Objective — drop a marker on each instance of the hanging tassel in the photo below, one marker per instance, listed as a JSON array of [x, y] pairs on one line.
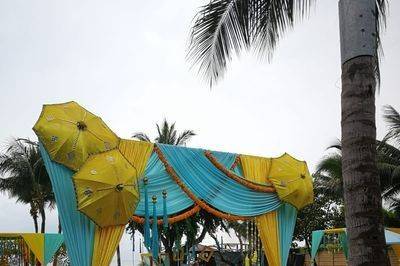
[[165, 215], [147, 241], [154, 233]]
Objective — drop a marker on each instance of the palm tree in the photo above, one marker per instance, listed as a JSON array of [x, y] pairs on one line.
[[225, 27], [330, 179], [329, 169], [391, 154], [25, 178], [167, 134], [392, 118]]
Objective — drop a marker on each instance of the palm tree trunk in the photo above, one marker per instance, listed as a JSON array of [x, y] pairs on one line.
[[363, 203], [55, 259], [361, 184], [35, 223], [118, 256], [43, 216], [168, 239], [34, 215], [59, 225]]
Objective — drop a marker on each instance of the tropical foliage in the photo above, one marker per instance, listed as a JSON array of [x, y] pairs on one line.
[[24, 177], [325, 212], [223, 28], [328, 208], [167, 134]]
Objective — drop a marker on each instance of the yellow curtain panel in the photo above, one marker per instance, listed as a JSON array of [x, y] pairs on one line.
[[35, 243], [137, 153], [267, 225], [106, 241], [257, 169], [290, 177]]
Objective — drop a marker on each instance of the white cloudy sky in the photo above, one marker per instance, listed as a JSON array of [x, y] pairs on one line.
[[125, 61]]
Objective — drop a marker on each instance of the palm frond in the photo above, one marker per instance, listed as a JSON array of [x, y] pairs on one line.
[[141, 136], [387, 153], [380, 16], [167, 134], [172, 134], [24, 174], [331, 165], [392, 118], [385, 171], [184, 137], [336, 145], [223, 28], [273, 18]]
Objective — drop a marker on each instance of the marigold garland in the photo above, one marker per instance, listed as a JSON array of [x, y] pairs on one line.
[[235, 163], [244, 182], [171, 220], [202, 204]]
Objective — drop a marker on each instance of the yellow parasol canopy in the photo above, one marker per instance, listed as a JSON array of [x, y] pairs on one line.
[[70, 133], [292, 181], [106, 188]]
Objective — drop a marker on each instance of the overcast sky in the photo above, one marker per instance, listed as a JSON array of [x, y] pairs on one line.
[[125, 61]]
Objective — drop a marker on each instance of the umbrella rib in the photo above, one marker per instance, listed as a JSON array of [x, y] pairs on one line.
[[88, 130], [85, 205], [84, 116], [76, 140], [102, 189], [68, 121]]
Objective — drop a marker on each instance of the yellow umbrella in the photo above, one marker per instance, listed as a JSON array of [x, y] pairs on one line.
[[106, 188], [292, 180], [70, 133]]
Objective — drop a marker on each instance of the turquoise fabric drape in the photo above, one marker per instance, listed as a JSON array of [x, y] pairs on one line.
[[287, 215], [147, 240], [392, 237], [213, 186], [154, 234], [159, 180], [225, 158], [165, 213], [52, 242], [343, 243], [78, 229], [316, 241]]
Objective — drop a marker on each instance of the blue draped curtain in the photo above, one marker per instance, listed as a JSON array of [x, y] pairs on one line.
[[78, 230], [159, 180], [213, 186], [287, 215]]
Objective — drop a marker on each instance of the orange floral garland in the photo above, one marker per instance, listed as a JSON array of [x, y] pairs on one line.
[[202, 204], [244, 182], [235, 163], [171, 220]]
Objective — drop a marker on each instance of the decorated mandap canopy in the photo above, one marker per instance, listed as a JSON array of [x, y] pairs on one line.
[[392, 236], [17, 248], [101, 182]]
